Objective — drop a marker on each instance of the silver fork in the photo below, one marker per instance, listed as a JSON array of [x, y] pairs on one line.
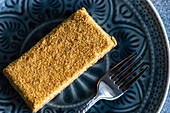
[[112, 85]]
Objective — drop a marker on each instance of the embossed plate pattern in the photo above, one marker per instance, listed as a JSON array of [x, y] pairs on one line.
[[134, 23]]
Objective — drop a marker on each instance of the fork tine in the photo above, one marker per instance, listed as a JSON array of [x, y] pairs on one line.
[[133, 80], [120, 65], [119, 81], [126, 69]]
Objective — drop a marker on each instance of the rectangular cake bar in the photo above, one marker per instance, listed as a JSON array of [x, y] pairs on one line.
[[58, 59]]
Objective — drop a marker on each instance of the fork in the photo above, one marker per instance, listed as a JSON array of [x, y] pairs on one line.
[[113, 84]]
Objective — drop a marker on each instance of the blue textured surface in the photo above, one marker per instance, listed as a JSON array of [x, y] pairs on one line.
[[163, 8], [131, 22]]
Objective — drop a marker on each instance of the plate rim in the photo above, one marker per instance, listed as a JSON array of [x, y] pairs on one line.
[[168, 52]]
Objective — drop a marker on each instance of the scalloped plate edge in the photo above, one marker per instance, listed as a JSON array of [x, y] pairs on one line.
[[167, 44]]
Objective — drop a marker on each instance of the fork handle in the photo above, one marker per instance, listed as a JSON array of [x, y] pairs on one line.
[[88, 105]]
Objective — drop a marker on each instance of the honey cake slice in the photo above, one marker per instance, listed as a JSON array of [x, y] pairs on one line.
[[58, 59]]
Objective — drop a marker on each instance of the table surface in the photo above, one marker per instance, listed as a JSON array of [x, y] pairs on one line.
[[163, 8]]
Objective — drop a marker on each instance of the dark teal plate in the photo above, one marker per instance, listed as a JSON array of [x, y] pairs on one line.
[[134, 23]]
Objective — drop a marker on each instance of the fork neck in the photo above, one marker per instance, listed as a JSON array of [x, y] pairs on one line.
[[99, 96]]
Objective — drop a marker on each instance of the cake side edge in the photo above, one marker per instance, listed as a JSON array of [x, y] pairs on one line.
[[26, 100]]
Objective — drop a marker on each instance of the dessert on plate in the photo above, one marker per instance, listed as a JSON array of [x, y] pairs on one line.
[[58, 59]]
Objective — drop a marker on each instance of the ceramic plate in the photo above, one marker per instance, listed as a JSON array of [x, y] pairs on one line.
[[134, 23]]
